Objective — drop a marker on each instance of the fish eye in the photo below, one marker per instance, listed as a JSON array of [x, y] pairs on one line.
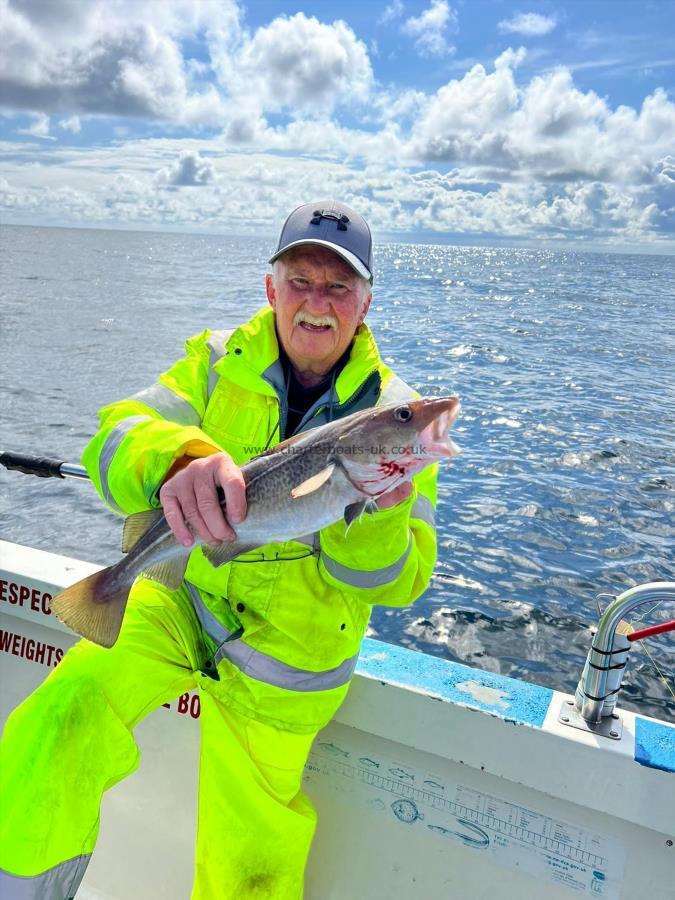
[[403, 414]]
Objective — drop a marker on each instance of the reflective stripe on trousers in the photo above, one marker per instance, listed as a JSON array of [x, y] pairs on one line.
[[59, 883], [260, 666]]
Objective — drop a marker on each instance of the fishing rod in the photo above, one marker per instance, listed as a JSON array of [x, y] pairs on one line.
[[42, 466], [48, 467]]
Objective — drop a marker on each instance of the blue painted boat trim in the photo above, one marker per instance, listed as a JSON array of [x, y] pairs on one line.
[[509, 698], [654, 744]]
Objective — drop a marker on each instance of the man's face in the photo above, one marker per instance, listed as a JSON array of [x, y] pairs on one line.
[[319, 303]]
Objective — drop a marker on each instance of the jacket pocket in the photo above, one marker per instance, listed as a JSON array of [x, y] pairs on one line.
[[238, 420]]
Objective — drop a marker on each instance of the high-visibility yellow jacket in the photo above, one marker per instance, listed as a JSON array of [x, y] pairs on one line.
[[303, 605]]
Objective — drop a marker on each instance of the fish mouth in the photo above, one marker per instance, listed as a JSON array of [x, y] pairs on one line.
[[441, 414]]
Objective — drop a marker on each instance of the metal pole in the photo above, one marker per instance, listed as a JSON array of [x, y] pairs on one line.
[[72, 470], [42, 466], [601, 679]]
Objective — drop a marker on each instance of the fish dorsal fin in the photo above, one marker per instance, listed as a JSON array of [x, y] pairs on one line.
[[169, 573], [283, 444], [136, 525], [313, 483]]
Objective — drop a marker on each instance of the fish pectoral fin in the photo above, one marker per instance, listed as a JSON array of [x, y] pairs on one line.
[[356, 510], [313, 483], [219, 554], [136, 525], [169, 573]]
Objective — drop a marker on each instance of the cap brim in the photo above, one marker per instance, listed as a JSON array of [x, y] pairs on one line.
[[348, 257]]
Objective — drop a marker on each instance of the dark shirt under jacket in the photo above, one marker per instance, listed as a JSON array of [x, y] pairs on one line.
[[300, 398]]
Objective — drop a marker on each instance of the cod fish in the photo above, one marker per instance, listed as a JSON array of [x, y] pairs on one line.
[[302, 485]]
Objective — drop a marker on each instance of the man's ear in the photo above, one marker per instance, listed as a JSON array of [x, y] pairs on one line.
[[366, 307], [269, 288]]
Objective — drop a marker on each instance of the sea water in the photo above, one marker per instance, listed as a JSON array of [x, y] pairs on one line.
[[565, 490]]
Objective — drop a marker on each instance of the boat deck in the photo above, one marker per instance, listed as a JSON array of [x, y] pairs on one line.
[[435, 780]]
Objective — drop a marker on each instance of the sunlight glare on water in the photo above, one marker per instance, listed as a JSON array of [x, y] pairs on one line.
[[563, 361]]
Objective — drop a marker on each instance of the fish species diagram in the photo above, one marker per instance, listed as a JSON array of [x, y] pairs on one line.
[[511, 835]]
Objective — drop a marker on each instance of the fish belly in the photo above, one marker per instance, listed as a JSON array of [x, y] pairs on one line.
[[291, 518]]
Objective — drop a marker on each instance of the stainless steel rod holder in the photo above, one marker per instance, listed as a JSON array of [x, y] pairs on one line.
[[599, 685]]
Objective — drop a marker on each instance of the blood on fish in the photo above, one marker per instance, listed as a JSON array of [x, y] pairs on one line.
[[389, 468]]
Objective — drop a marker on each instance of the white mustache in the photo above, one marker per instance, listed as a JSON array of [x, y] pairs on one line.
[[303, 316]]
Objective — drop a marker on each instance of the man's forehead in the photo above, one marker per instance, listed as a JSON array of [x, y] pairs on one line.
[[313, 255]]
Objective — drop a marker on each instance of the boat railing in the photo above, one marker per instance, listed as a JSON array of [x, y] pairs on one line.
[[594, 708]]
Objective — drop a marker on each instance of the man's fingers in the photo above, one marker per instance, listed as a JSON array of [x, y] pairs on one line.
[[229, 477], [181, 511], [210, 510], [191, 504], [196, 522], [174, 517]]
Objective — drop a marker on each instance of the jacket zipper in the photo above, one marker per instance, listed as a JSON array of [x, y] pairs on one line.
[[360, 393]]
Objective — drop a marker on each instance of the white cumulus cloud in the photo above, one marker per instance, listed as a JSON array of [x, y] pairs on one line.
[[189, 170], [297, 63], [466, 121], [254, 191], [38, 128], [546, 129], [429, 28], [122, 58], [298, 113], [530, 24], [72, 123], [390, 12]]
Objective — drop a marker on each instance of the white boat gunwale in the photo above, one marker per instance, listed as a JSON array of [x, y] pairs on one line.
[[500, 727]]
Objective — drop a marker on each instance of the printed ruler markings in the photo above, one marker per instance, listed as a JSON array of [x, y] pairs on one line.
[[499, 825]]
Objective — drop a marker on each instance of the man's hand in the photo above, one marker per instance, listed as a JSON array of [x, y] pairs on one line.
[[397, 495], [190, 498]]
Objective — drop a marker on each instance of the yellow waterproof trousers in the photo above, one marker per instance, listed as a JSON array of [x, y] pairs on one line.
[[72, 739]]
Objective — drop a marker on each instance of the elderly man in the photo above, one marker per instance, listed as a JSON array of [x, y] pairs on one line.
[[270, 640]]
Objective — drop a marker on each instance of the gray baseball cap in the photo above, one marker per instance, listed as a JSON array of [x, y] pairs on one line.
[[333, 225]]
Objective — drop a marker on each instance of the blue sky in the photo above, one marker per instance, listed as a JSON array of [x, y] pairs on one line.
[[472, 121]]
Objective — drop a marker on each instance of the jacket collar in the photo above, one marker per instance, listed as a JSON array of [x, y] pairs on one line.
[[253, 358]]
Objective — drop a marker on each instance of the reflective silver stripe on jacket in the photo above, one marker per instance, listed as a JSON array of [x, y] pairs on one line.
[[109, 449], [216, 343], [57, 883], [396, 391], [423, 509], [262, 667], [366, 578], [168, 404]]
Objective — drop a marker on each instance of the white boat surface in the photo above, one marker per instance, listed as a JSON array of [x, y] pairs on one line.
[[435, 780]]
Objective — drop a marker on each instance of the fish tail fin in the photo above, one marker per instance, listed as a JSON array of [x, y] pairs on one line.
[[94, 607]]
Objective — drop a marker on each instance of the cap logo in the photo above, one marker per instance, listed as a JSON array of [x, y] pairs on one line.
[[319, 214]]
